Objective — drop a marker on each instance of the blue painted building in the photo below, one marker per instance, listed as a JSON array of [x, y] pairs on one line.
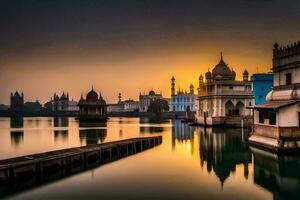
[[182, 101], [262, 84]]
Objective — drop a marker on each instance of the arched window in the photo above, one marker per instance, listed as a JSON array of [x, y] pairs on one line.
[[240, 108], [229, 108]]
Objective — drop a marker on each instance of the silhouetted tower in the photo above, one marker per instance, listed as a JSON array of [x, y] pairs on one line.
[[16, 101], [200, 82], [120, 98], [173, 86], [246, 75]]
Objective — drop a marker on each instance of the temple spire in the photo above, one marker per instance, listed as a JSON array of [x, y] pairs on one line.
[[222, 57]]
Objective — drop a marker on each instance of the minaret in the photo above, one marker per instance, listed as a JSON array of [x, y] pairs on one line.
[[172, 86], [191, 89], [120, 98], [246, 75], [22, 95]]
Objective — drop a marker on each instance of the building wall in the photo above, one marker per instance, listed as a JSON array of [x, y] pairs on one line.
[[131, 105], [145, 100], [279, 77], [261, 85], [288, 116], [72, 106], [180, 102]]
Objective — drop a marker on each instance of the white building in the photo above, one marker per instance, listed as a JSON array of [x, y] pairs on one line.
[[222, 100], [131, 105], [146, 99], [123, 106], [182, 100], [276, 123]]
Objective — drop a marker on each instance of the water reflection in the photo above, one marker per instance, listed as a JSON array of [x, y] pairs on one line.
[[147, 120], [222, 150], [16, 122], [61, 135], [149, 125], [278, 174], [92, 136], [151, 129], [182, 132], [61, 121], [16, 136], [174, 166]]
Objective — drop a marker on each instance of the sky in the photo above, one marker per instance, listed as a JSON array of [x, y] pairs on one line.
[[133, 46]]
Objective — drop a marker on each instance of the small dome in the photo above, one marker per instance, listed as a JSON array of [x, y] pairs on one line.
[[201, 77], [208, 75], [152, 93], [101, 100], [222, 72], [269, 96], [92, 96], [81, 99], [246, 72]]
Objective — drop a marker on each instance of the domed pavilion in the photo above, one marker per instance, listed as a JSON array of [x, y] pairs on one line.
[[92, 108], [222, 99]]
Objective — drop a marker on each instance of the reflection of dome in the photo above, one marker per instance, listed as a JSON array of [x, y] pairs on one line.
[[152, 93], [222, 71], [92, 96]]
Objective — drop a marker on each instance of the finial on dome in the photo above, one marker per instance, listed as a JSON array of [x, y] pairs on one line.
[[92, 88]]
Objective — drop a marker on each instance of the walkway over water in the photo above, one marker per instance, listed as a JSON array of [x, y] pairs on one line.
[[38, 165]]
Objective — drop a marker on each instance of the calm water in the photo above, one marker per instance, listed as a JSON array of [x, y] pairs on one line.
[[191, 163]]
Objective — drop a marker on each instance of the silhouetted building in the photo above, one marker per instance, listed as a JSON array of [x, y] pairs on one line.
[[222, 99], [93, 108], [277, 122], [16, 102], [146, 99], [3, 107], [123, 106], [182, 100], [62, 106]]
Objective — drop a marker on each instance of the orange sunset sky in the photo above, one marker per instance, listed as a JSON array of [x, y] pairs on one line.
[[133, 47]]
